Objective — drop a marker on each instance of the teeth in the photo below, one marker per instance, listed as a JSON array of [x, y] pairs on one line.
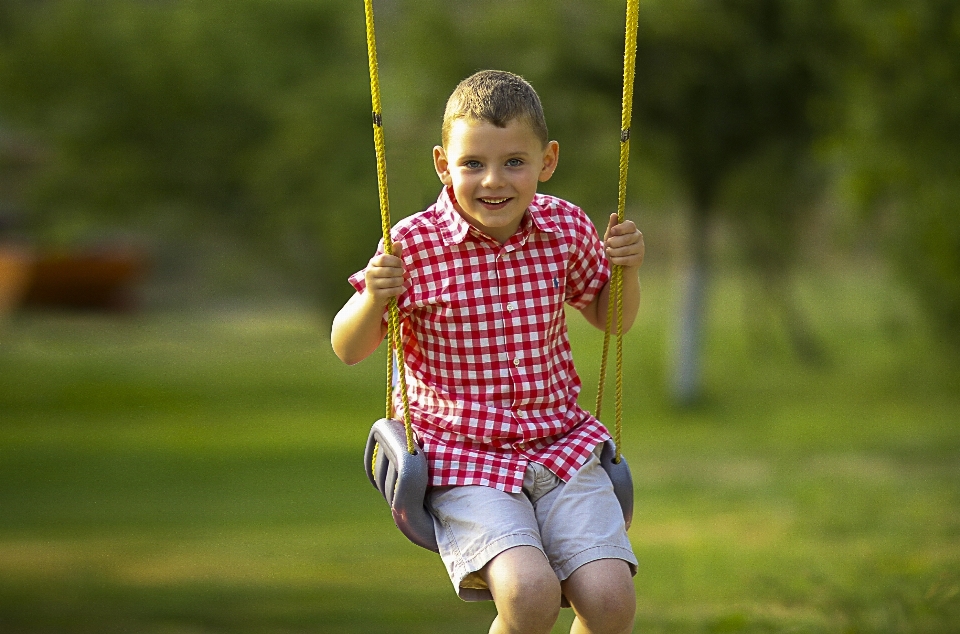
[[494, 201]]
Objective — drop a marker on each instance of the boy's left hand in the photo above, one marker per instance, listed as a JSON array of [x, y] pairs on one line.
[[623, 243]]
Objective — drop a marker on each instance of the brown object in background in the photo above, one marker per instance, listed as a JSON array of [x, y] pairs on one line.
[[15, 265], [105, 279]]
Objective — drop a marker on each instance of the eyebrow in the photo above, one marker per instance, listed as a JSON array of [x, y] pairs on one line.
[[508, 155]]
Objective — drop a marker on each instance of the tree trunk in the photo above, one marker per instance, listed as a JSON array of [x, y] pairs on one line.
[[687, 388]]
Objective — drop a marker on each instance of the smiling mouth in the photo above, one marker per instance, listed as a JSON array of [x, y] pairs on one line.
[[494, 201]]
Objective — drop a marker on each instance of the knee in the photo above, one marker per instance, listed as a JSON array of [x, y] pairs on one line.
[[607, 613], [529, 601], [604, 604]]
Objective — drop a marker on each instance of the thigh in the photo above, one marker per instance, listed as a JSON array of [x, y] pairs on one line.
[[472, 517], [581, 521], [475, 524]]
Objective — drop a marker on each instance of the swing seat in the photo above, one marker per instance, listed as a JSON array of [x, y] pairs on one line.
[[620, 477], [401, 478]]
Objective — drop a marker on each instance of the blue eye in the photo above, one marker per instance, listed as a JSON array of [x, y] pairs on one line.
[[514, 162], [473, 165]]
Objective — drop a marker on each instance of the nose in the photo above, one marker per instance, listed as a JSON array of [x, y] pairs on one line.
[[492, 178]]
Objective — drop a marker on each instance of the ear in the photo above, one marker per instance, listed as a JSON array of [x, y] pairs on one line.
[[441, 165], [551, 154]]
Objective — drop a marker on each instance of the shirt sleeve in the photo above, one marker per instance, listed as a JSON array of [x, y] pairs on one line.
[[587, 267]]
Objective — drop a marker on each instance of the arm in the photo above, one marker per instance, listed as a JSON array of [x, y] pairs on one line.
[[358, 328], [624, 246]]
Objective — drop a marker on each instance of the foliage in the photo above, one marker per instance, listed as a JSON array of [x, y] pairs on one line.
[[250, 119], [728, 91], [728, 80], [898, 149], [212, 116]]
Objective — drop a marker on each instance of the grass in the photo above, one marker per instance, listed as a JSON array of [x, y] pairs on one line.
[[194, 474]]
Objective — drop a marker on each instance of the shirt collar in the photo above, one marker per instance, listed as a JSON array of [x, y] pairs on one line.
[[454, 228]]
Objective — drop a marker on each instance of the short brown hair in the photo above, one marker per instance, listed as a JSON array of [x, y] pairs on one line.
[[498, 97]]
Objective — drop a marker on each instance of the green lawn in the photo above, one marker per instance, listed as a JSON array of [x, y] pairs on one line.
[[201, 474]]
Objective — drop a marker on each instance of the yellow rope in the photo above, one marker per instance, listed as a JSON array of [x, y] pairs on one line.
[[616, 273], [393, 327]]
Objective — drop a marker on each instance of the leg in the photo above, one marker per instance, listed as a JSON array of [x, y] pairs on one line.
[[525, 590], [582, 528], [603, 598]]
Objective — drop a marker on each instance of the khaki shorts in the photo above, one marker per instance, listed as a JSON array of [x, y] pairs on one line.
[[572, 523]]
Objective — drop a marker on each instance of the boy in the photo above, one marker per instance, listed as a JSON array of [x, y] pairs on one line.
[[524, 513]]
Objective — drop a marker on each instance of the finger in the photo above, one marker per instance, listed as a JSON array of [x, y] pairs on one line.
[[625, 256], [397, 255], [611, 223], [396, 248], [385, 273], [621, 252], [630, 242], [386, 285], [624, 228], [384, 261], [381, 278], [630, 255]]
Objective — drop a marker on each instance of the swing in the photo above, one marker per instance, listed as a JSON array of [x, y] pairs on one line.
[[394, 463]]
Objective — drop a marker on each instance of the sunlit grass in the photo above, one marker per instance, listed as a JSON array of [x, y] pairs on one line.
[[170, 473]]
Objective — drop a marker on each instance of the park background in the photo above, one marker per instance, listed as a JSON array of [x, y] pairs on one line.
[[180, 452]]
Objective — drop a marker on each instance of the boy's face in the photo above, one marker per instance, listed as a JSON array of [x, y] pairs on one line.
[[494, 172]]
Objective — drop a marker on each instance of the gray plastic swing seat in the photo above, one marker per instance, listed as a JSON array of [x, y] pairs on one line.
[[620, 476], [401, 478]]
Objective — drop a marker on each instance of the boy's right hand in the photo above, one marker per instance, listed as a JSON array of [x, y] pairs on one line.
[[384, 275]]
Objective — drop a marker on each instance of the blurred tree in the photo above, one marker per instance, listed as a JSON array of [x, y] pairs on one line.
[[571, 52], [250, 118], [242, 118], [730, 85], [725, 87], [899, 149]]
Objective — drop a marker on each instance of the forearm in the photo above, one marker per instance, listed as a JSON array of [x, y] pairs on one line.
[[596, 312], [358, 328]]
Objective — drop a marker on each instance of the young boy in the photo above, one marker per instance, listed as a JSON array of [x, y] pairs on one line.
[[524, 513]]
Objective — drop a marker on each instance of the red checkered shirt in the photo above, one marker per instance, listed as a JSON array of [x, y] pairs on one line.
[[489, 370]]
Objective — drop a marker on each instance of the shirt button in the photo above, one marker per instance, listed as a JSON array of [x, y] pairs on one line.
[[511, 306], [516, 361]]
